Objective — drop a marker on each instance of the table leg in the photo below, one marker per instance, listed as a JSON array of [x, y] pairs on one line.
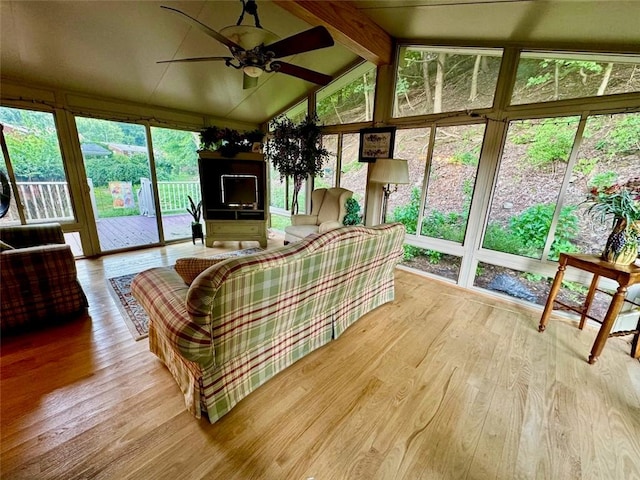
[[635, 343], [588, 300], [555, 287], [609, 319]]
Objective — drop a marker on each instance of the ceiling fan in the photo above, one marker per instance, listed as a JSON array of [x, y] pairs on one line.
[[255, 50]]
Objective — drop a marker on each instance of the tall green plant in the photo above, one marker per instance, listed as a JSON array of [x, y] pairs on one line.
[[296, 151]]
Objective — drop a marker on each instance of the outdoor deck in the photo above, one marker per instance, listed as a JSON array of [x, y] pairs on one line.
[[125, 232]]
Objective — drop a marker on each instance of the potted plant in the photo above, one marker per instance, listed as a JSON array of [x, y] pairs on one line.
[[622, 203], [352, 217], [196, 213], [228, 141], [296, 151]]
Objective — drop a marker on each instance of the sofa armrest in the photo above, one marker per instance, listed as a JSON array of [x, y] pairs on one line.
[[304, 219], [55, 263], [326, 226], [23, 236]]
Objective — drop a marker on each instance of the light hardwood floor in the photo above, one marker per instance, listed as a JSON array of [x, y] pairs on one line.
[[439, 384]]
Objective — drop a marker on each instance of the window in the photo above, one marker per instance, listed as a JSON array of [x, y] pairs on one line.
[[36, 160], [452, 174], [348, 99], [549, 76], [328, 178], [531, 172], [434, 80], [176, 160], [117, 164]]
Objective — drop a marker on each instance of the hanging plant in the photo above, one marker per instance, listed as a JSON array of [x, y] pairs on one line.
[[296, 151], [227, 141]]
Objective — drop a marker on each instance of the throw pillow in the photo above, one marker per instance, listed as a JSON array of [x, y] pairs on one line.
[[189, 268], [5, 246]]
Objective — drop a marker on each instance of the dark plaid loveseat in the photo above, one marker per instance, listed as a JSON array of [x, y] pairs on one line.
[[38, 281], [245, 319]]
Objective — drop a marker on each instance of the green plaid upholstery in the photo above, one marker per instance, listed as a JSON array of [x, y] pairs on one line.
[[247, 318], [38, 284]]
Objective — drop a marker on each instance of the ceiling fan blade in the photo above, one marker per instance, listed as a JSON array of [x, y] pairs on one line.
[[249, 82], [209, 31], [301, 72], [196, 59], [313, 39]]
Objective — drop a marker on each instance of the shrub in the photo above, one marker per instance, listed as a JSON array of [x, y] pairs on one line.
[[408, 214], [552, 142], [532, 226]]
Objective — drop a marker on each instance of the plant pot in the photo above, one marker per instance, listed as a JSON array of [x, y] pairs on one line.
[[196, 232], [622, 244]]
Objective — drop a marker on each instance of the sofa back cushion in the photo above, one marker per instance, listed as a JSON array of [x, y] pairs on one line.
[[249, 299]]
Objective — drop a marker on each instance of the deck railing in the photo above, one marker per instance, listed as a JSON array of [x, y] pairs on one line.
[[51, 201]]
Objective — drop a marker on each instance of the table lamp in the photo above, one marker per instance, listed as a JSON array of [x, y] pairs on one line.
[[389, 171]]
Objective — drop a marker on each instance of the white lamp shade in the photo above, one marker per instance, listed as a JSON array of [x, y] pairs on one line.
[[390, 170]]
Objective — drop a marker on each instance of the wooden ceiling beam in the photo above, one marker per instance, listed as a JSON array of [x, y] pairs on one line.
[[347, 26]]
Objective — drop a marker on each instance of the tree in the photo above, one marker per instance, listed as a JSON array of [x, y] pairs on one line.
[[296, 151]]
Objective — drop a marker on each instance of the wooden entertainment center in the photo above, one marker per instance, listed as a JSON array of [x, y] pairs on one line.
[[234, 197]]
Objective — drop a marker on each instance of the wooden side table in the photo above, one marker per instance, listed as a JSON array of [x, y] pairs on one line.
[[624, 275]]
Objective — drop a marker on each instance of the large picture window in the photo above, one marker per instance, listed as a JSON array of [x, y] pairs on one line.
[[434, 80], [532, 168], [36, 161], [348, 99], [549, 76]]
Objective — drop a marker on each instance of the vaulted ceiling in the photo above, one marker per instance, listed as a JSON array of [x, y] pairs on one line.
[[110, 48]]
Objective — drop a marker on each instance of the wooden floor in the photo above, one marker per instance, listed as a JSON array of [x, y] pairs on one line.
[[439, 384]]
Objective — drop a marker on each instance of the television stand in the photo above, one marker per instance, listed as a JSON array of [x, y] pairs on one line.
[[234, 197]]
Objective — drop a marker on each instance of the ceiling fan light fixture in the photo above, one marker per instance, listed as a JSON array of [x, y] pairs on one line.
[[252, 71], [249, 37]]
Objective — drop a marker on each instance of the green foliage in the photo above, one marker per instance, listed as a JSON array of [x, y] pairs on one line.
[[194, 210], [552, 142], [625, 137], [296, 151], [449, 226], [501, 239], [465, 158], [352, 217], [117, 168], [408, 214], [228, 141], [586, 165], [603, 180], [532, 226], [279, 222]]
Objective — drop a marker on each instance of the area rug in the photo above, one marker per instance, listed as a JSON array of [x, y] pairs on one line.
[[132, 313]]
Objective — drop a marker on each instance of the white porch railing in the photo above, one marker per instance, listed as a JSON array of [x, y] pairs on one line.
[[43, 201], [51, 201], [173, 196]]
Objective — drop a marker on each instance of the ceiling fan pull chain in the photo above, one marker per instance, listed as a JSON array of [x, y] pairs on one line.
[[251, 7]]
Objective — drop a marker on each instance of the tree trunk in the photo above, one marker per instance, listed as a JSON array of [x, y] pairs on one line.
[[297, 184], [365, 89], [425, 77], [437, 101], [556, 82], [605, 79], [474, 79]]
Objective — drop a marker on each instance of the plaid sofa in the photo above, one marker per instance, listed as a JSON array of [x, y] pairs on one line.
[[247, 318], [38, 281]]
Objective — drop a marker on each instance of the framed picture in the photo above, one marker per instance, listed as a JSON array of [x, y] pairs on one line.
[[376, 143], [256, 147]]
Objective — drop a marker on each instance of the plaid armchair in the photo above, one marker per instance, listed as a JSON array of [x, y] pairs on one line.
[[38, 281]]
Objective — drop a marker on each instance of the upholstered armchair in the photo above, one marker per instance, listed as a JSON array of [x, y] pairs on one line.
[[328, 208], [38, 278]]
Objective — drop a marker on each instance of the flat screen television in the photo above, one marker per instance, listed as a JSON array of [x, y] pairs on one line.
[[239, 191]]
